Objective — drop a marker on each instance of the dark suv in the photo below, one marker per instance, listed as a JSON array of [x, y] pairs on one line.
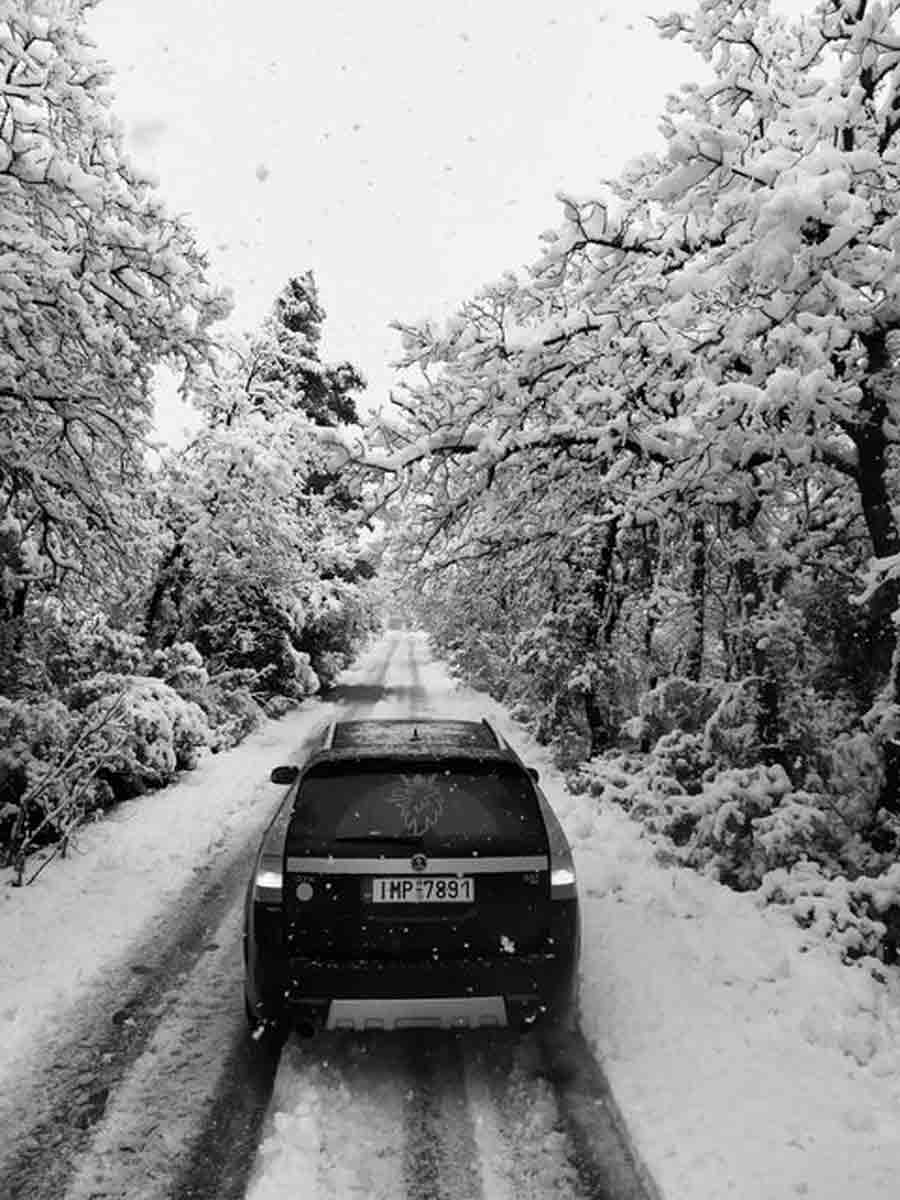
[[414, 875]]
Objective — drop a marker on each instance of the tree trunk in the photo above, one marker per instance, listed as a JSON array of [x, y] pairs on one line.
[[755, 658], [13, 602], [166, 581], [598, 722], [693, 666], [871, 440], [598, 634], [872, 445]]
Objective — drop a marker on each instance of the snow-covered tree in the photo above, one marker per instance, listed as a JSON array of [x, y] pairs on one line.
[[693, 392], [281, 370], [262, 570], [98, 283]]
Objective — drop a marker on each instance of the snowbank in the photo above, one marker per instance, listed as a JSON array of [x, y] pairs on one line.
[[85, 911]]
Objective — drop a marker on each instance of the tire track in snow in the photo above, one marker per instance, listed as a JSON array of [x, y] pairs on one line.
[[50, 1114], [523, 1151], [356, 693], [98, 1049], [418, 697], [441, 1155], [335, 1126], [421, 1115], [220, 1163], [147, 1130], [53, 1114], [607, 1162]]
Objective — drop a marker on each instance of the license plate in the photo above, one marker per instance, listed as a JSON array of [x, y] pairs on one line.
[[430, 889]]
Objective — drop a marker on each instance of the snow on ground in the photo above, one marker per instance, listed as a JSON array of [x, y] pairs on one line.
[[746, 1065], [83, 912]]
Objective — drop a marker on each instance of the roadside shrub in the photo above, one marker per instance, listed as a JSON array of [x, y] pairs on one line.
[[226, 700], [730, 736], [682, 759], [861, 916], [30, 738], [50, 759], [328, 665], [181, 666], [287, 671], [735, 824], [854, 771], [127, 717], [332, 635], [729, 808], [676, 704], [615, 777], [799, 828], [157, 731], [77, 649], [277, 706], [231, 711]]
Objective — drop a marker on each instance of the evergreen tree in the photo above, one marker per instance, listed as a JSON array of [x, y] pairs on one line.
[[261, 571]]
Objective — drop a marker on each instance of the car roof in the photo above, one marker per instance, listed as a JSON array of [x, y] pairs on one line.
[[413, 732], [407, 739]]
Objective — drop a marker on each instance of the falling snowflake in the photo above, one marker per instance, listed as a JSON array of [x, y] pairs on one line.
[[262, 172]]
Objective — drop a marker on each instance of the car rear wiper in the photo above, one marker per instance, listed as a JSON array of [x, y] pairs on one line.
[[392, 839]]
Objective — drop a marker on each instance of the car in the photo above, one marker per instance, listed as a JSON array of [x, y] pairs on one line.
[[413, 876]]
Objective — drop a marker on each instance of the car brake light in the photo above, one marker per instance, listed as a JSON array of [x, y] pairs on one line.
[[267, 886], [562, 882]]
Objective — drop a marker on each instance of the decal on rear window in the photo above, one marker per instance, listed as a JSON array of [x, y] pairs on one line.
[[451, 805], [420, 799]]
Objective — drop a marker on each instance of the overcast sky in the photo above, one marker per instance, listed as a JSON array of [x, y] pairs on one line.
[[408, 151]]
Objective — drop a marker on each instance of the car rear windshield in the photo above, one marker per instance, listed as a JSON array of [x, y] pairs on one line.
[[464, 808], [390, 734]]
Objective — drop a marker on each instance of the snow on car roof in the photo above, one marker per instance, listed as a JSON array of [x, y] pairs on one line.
[[413, 734]]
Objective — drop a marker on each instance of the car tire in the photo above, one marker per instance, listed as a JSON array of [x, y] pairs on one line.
[[269, 1034], [565, 1020]]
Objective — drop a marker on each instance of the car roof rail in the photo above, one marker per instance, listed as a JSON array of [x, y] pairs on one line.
[[328, 740], [493, 732]]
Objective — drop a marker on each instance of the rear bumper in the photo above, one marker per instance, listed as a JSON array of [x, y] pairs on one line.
[[512, 990], [281, 986], [431, 1012], [423, 977]]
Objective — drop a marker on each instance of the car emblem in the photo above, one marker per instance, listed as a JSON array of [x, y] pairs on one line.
[[418, 862]]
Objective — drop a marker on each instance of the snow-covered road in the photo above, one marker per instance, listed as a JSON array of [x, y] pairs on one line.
[[416, 1116], [748, 1061], [125, 1069]]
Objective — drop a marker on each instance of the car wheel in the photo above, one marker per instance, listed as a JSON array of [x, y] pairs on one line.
[[564, 1017], [268, 1033]]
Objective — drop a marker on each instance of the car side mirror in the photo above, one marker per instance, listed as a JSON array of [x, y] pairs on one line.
[[284, 775], [534, 773]]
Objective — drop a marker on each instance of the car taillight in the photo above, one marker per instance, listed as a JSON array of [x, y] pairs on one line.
[[562, 878], [562, 882], [268, 883]]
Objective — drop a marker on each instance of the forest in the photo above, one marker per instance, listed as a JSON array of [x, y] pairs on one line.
[[154, 604], [644, 491]]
